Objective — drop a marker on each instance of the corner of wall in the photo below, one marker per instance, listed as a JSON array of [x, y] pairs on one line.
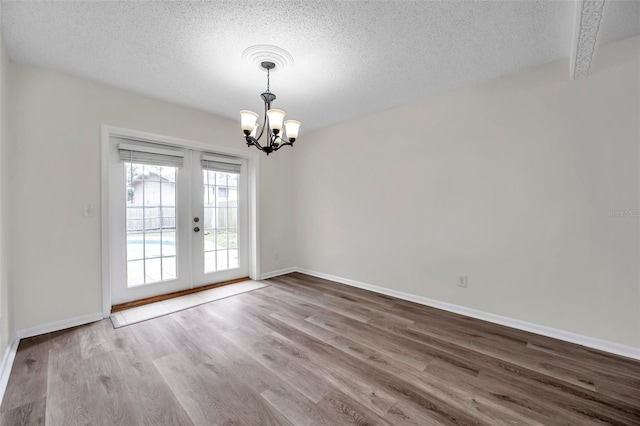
[[6, 315]]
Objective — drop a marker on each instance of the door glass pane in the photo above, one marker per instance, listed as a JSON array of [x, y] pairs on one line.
[[151, 223], [233, 258], [220, 220], [221, 259], [169, 243], [232, 234], [210, 261], [135, 272], [169, 267]]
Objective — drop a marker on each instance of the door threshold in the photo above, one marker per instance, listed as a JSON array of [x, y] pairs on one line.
[[160, 298]]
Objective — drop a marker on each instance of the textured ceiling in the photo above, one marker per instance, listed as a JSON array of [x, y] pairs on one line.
[[351, 58]]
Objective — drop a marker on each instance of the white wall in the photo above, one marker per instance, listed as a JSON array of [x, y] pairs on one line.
[[55, 167], [507, 182], [6, 326]]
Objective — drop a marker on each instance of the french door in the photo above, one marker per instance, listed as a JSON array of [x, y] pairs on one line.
[[178, 219]]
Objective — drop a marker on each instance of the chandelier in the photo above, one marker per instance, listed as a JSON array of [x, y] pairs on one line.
[[272, 125]]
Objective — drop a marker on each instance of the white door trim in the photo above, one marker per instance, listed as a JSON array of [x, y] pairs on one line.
[[253, 169]]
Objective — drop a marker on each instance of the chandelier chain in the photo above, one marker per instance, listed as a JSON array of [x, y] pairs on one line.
[[268, 79]]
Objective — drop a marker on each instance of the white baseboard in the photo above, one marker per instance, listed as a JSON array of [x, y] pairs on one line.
[[58, 325], [278, 272], [7, 365], [591, 342]]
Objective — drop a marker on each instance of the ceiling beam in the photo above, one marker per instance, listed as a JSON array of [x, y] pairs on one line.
[[588, 21]]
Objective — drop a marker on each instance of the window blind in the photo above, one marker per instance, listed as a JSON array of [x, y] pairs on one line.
[[209, 163], [150, 155]]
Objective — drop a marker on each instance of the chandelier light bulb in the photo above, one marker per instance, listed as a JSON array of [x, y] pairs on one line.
[[248, 120], [276, 116], [292, 127]]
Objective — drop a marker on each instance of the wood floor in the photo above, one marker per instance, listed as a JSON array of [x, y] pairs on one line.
[[309, 351]]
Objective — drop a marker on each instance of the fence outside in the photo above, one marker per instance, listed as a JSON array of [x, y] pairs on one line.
[[146, 218], [150, 218]]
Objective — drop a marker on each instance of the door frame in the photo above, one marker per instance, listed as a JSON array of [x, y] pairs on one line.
[[253, 169]]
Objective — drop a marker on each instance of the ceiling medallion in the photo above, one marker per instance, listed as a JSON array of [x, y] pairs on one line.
[[256, 55]]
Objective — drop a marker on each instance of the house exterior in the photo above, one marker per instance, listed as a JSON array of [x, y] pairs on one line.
[[151, 189], [151, 201]]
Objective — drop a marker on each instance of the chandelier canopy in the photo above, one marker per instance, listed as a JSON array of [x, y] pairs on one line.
[[272, 124]]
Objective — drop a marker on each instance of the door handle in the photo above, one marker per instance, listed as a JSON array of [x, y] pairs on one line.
[[196, 219], [196, 229]]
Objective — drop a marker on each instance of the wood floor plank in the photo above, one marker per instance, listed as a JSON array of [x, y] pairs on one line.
[[350, 294], [345, 376], [32, 413], [108, 397], [66, 387], [598, 360], [155, 403], [234, 365], [305, 350], [608, 406], [203, 315], [202, 401], [150, 337], [250, 407], [410, 415], [513, 352], [387, 344], [92, 341], [300, 373], [346, 411], [296, 408], [522, 403], [167, 327], [357, 312], [273, 300], [362, 389], [612, 409], [211, 399], [28, 380], [420, 388]]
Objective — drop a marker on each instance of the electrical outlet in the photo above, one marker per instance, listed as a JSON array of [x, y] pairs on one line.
[[462, 281]]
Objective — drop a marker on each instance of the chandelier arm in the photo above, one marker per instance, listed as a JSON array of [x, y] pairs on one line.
[[263, 127], [251, 141], [277, 147], [267, 125], [272, 141], [264, 122], [285, 141]]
